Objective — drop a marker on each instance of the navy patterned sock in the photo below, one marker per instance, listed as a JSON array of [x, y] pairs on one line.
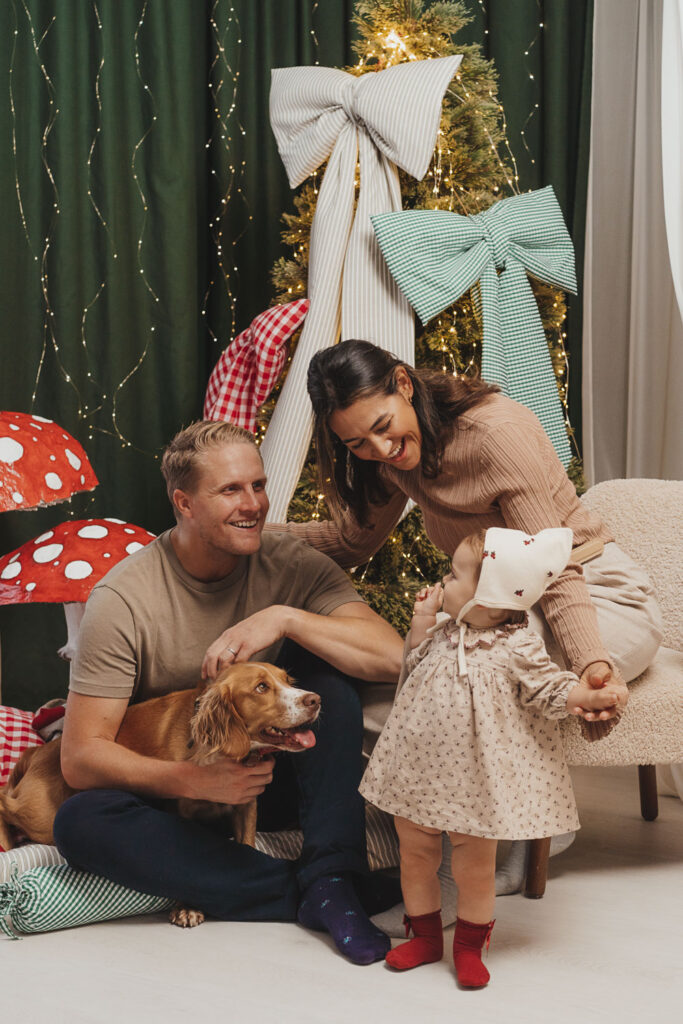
[[330, 904]]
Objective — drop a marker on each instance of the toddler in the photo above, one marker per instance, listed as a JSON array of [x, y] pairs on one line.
[[471, 746]]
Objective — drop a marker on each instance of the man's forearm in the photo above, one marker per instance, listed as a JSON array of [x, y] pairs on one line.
[[103, 764], [364, 648]]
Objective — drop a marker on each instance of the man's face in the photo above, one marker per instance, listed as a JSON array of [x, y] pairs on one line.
[[228, 507]]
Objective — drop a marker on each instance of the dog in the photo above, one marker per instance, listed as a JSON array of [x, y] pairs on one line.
[[249, 710]]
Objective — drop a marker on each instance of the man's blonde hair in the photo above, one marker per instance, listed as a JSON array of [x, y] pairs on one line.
[[180, 463]]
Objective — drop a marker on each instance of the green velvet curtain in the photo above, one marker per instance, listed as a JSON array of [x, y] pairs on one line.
[[124, 124], [543, 50]]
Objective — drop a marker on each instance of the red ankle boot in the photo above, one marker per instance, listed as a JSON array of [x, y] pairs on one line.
[[425, 948], [467, 944]]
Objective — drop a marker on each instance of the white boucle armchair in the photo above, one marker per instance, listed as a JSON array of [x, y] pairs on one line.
[[646, 520]]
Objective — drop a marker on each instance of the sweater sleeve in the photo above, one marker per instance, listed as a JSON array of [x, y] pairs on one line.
[[542, 684], [512, 467], [348, 543]]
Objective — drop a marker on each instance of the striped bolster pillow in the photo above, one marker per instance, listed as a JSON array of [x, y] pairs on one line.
[[47, 898], [381, 838]]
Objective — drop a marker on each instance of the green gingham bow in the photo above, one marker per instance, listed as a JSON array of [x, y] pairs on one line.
[[436, 256]]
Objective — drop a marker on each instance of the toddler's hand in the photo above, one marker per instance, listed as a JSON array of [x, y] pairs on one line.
[[428, 600], [594, 705]]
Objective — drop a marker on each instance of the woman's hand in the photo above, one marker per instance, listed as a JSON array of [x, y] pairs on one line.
[[598, 676]]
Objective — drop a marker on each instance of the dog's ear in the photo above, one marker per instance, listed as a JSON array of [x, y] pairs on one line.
[[217, 727]]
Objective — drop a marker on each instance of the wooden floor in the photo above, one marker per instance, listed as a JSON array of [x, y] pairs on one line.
[[604, 944]]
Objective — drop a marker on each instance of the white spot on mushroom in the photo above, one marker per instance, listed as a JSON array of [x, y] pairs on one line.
[[41, 419], [53, 458], [74, 460], [13, 426], [14, 557], [10, 571], [18, 498], [47, 553], [108, 519], [127, 529], [44, 536], [10, 450], [35, 425], [82, 479], [107, 554], [77, 570], [53, 481], [30, 587], [93, 531], [133, 546]]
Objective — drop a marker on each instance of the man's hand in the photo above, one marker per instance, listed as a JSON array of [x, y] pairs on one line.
[[596, 677], [244, 639], [226, 782]]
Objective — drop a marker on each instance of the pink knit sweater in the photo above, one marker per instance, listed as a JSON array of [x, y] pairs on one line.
[[499, 469]]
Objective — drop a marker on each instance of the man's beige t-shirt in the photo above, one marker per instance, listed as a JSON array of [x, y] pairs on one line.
[[148, 623]]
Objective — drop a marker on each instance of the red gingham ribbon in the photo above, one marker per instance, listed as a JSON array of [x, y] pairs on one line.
[[16, 734], [247, 371]]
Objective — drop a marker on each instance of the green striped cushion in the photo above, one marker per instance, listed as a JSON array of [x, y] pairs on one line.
[[45, 899], [23, 858]]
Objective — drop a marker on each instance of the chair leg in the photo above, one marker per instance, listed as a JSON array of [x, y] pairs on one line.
[[537, 868], [647, 779]]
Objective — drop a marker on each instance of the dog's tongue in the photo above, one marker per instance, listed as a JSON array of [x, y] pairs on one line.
[[305, 738]]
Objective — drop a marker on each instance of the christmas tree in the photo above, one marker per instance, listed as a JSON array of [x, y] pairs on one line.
[[472, 167]]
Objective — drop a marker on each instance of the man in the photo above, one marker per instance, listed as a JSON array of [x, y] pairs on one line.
[[152, 625]]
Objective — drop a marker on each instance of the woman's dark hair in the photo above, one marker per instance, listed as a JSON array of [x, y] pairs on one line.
[[340, 375]]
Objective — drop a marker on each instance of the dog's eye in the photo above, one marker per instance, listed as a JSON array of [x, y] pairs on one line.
[[262, 688]]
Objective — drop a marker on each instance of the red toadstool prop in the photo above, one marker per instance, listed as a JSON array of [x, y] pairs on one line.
[[40, 464], [65, 563]]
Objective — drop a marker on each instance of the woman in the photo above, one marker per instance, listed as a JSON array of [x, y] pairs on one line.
[[471, 459]]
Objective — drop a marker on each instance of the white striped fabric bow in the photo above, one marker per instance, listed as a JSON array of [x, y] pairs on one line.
[[391, 118]]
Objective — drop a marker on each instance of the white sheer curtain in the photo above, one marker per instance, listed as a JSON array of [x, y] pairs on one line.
[[633, 325]]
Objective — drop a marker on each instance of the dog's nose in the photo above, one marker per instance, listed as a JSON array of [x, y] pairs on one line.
[[311, 700]]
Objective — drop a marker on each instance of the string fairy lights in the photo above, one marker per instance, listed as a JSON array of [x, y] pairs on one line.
[[49, 327], [13, 111], [224, 134], [98, 129]]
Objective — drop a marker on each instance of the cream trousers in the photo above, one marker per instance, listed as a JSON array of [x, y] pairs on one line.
[[629, 619]]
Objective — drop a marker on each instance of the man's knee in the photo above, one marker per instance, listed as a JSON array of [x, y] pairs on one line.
[[76, 825]]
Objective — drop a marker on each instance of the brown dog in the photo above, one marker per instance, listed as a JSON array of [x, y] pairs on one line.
[[249, 709]]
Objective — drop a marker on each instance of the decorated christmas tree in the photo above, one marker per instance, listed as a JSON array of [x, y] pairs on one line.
[[471, 169]]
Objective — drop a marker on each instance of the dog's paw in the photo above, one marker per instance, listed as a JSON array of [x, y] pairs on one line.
[[185, 918]]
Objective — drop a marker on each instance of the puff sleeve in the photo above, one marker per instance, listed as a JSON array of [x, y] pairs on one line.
[[542, 684]]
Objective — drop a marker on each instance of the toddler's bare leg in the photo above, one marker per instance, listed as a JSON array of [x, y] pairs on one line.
[[420, 859], [474, 871]]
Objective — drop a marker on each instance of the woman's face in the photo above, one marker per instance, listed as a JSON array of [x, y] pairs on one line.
[[382, 428]]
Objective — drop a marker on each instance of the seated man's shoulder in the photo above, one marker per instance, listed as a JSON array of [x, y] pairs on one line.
[[136, 567], [283, 549]]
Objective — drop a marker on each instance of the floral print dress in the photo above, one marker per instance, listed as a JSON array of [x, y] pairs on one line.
[[479, 754]]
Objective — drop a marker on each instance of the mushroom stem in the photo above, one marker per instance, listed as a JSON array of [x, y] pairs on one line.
[[73, 612]]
